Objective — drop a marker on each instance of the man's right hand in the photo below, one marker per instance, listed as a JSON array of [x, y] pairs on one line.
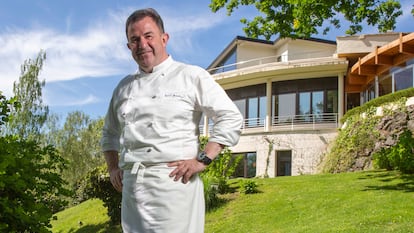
[[116, 176], [115, 173]]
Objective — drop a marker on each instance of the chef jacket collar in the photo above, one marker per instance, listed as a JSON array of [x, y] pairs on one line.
[[156, 69]]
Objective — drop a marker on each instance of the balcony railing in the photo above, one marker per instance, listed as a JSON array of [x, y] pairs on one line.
[[293, 122], [282, 60], [307, 121]]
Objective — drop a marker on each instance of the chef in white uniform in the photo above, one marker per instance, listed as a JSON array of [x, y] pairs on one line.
[[151, 133]]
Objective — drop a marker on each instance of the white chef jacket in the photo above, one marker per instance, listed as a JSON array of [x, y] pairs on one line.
[[154, 117]]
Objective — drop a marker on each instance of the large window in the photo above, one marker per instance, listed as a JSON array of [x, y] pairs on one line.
[[308, 98], [305, 100], [403, 78]]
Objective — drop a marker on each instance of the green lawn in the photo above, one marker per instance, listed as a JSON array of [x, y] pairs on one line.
[[375, 201]]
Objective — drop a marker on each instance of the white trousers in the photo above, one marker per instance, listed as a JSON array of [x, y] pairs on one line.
[[152, 202]]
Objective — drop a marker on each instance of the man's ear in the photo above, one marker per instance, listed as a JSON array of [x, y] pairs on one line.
[[165, 38]]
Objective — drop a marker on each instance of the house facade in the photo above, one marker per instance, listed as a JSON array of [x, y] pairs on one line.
[[293, 92]]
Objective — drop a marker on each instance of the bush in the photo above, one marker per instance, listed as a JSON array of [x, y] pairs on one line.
[[99, 186], [31, 187], [210, 193], [399, 157], [248, 186]]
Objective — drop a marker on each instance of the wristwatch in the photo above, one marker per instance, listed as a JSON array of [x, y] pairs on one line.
[[202, 157]]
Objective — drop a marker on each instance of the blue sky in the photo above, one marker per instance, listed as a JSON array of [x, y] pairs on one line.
[[86, 48]]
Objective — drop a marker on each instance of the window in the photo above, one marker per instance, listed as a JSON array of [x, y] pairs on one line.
[[332, 101], [317, 104], [353, 100], [241, 105], [403, 79], [256, 111], [247, 166], [385, 85], [228, 63], [251, 101], [304, 103], [369, 94], [286, 107]]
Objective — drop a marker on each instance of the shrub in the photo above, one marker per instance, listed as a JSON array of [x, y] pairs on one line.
[[248, 186], [399, 157], [356, 138], [210, 193], [99, 186], [31, 187]]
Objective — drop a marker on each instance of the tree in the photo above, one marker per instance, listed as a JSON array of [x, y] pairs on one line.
[[78, 143], [303, 18], [30, 184], [27, 122]]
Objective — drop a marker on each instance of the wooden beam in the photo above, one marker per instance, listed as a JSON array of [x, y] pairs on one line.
[[399, 59], [384, 60], [383, 68], [407, 48], [353, 88], [355, 79], [367, 70]]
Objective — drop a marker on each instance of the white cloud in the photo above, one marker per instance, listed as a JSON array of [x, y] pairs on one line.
[[98, 50], [90, 99]]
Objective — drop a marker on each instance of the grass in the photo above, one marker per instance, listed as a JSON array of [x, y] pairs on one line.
[[87, 217], [375, 201]]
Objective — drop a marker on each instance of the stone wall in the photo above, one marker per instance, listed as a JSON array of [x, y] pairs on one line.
[[390, 128]]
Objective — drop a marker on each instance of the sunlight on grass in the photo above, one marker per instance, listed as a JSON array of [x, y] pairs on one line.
[[89, 216], [351, 202]]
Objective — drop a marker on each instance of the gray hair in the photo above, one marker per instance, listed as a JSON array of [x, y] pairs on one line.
[[142, 13]]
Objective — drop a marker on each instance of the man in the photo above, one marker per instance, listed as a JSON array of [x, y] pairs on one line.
[[150, 136]]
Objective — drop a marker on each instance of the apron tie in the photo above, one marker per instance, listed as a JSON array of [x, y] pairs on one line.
[[139, 169]]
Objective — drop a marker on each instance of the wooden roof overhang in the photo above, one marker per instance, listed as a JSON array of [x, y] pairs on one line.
[[378, 62]]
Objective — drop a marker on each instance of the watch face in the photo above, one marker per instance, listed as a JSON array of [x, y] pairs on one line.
[[201, 155]]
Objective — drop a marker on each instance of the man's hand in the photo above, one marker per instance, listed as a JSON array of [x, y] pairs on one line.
[[115, 173], [116, 176], [185, 169]]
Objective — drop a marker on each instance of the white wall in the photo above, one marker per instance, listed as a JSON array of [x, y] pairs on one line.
[[307, 148]]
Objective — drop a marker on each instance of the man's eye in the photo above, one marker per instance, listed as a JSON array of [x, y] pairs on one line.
[[133, 40]]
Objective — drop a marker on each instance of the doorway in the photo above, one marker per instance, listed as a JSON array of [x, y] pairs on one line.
[[284, 163]]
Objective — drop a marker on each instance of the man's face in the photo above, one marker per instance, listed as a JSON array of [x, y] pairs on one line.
[[147, 43]]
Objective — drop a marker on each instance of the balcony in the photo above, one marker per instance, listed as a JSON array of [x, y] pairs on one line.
[[288, 123]]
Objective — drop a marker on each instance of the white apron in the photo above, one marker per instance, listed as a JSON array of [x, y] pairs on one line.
[[152, 202]]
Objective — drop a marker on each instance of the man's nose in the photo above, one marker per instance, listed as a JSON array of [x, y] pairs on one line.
[[142, 43]]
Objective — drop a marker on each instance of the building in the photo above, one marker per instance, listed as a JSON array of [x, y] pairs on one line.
[[292, 93]]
